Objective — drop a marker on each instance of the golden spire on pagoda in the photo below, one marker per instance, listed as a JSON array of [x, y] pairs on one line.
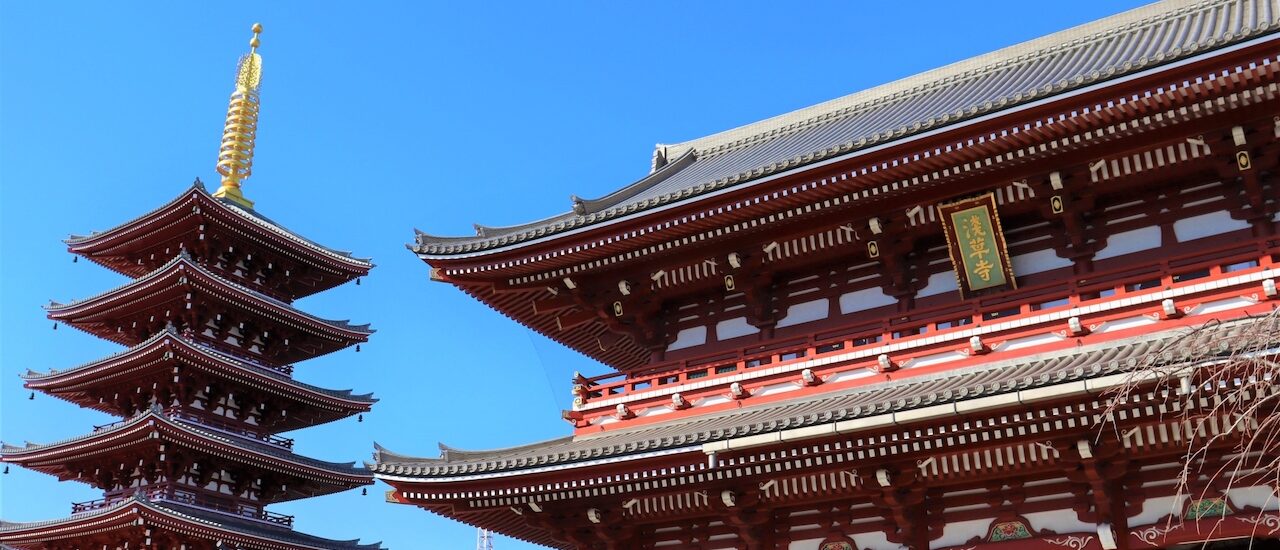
[[235, 158]]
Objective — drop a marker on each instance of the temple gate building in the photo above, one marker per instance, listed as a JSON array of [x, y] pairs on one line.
[[901, 318], [206, 383]]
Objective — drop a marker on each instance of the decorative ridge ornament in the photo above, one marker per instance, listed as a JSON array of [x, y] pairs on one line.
[[235, 157]]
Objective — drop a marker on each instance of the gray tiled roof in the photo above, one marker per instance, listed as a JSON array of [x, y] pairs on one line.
[[1109, 48], [997, 377]]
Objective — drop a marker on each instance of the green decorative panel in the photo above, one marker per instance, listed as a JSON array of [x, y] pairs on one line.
[[1207, 508], [1009, 530]]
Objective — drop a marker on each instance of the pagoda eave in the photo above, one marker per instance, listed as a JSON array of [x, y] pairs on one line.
[[192, 220], [142, 521], [154, 362], [131, 313], [153, 430]]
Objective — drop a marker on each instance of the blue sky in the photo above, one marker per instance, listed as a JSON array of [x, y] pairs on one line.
[[378, 118]]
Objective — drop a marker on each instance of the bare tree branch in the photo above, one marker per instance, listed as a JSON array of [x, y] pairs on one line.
[[1219, 382]]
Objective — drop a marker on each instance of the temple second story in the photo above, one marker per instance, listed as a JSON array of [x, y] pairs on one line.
[[905, 317]]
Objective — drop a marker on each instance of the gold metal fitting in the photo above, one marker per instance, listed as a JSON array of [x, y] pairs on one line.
[[235, 157]]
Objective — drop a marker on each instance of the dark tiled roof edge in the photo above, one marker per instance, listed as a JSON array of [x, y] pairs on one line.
[[880, 126], [998, 377]]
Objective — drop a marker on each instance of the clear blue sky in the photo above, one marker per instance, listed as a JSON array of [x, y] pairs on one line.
[[380, 118]]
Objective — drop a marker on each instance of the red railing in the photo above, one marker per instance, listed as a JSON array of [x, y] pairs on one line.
[[215, 424], [231, 428], [153, 494], [1114, 284], [240, 355], [187, 498], [251, 512]]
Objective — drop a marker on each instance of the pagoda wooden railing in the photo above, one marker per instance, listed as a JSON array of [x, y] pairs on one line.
[[231, 428], [191, 499], [1172, 271], [240, 355], [286, 370], [87, 506], [187, 498], [215, 424]]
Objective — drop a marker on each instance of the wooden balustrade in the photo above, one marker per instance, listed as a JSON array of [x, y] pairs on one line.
[[188, 498], [232, 428], [1173, 271]]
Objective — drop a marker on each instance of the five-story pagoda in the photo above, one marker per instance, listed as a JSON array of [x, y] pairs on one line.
[[206, 384]]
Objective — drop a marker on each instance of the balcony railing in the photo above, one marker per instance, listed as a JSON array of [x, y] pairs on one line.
[[919, 324], [231, 428], [215, 424], [152, 494], [194, 500], [198, 501], [240, 355]]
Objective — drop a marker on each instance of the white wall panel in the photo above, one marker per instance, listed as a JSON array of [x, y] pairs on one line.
[[1038, 262], [866, 298], [733, 328], [805, 312], [687, 338], [939, 283], [1128, 242], [1204, 225]]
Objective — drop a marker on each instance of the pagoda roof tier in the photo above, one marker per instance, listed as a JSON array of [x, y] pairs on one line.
[[151, 364], [133, 515], [133, 312], [1073, 370], [194, 220], [141, 436], [1109, 49]]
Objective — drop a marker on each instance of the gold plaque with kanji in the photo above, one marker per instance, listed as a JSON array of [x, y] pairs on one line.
[[976, 244]]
